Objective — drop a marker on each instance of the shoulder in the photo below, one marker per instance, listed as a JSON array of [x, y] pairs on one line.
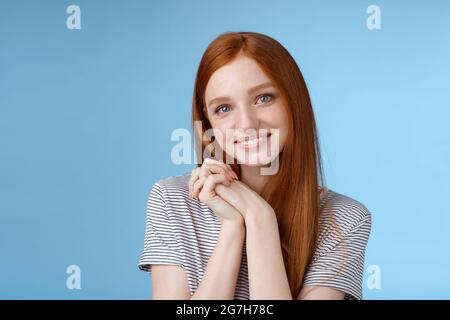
[[342, 218], [170, 197], [172, 187], [344, 229], [346, 212]]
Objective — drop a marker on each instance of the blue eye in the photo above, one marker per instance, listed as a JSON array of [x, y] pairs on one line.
[[220, 109], [265, 98]]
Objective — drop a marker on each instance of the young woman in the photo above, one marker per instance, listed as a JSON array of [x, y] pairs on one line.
[[228, 231]]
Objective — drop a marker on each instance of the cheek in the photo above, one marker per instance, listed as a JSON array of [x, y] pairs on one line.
[[221, 127], [220, 135], [278, 119]]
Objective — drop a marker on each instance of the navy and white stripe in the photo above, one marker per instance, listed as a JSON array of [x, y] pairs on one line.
[[183, 231]]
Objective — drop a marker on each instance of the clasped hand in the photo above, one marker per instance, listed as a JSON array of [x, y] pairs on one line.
[[217, 185]]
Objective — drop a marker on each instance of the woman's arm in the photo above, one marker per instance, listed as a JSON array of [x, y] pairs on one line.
[[266, 271], [219, 280], [169, 282]]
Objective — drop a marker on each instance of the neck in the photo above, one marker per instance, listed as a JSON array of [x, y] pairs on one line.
[[252, 177]]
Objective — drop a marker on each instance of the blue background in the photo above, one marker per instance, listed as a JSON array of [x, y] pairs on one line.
[[86, 117]]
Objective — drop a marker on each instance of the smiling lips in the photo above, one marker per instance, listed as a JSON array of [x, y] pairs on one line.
[[252, 141]]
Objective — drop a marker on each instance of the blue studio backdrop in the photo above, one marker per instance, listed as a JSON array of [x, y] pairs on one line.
[[91, 91]]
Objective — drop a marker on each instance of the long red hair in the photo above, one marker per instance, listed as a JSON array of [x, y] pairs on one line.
[[300, 170]]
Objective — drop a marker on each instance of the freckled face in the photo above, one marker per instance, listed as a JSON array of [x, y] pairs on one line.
[[246, 112]]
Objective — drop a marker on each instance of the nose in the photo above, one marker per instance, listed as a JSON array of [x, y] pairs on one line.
[[247, 119]]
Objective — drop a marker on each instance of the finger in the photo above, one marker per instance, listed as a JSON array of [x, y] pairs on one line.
[[197, 186], [224, 165], [218, 162], [208, 169], [229, 172], [231, 195], [232, 174], [210, 184], [214, 169], [193, 179], [210, 161], [213, 161]]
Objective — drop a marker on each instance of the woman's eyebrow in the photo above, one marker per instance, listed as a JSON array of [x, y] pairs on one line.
[[250, 91], [217, 100], [259, 87]]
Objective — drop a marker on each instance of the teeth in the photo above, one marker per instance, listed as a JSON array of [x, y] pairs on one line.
[[252, 142]]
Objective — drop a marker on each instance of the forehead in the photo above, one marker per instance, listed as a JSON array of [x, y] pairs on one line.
[[235, 78]]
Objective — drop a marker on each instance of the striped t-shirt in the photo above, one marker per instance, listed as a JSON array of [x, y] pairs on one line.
[[183, 231]]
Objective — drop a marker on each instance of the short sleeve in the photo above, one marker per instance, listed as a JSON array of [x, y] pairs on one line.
[[160, 243], [342, 266]]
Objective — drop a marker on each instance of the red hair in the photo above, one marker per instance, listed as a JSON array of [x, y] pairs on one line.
[[293, 192]]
